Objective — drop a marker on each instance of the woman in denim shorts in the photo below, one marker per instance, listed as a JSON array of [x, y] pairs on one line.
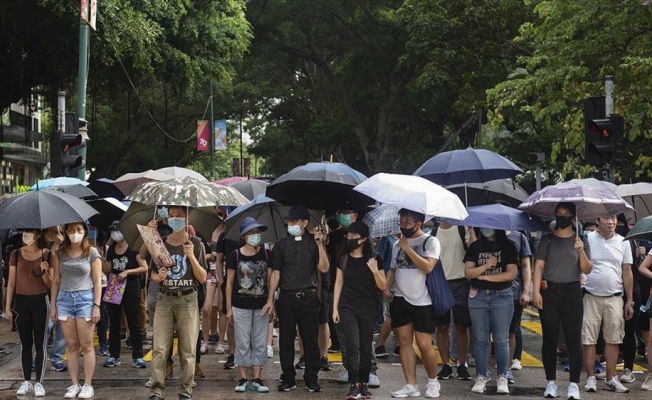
[[76, 296]]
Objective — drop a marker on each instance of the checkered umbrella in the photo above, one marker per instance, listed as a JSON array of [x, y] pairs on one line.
[[382, 221]]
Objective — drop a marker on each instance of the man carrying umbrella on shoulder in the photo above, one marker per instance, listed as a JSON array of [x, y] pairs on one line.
[[296, 262]]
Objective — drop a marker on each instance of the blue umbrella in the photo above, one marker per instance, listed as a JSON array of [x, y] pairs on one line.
[[467, 166], [498, 216], [60, 181]]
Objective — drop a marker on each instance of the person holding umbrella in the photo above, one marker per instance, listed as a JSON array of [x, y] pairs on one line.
[[30, 277], [75, 302]]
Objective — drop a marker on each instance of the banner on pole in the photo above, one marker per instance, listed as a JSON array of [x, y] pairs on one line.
[[220, 134], [235, 167], [247, 167], [203, 135], [89, 12]]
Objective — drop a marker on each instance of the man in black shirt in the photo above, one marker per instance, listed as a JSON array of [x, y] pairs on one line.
[[296, 262]]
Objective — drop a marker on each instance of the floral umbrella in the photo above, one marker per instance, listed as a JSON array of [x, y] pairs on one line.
[[187, 192]]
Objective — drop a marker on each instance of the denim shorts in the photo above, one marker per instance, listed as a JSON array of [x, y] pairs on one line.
[[77, 304]]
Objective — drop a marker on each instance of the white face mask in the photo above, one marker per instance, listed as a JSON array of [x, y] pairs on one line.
[[28, 238], [117, 236], [76, 237]]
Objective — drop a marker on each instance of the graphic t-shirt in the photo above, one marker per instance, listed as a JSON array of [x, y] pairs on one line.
[[481, 250], [250, 283], [123, 262], [180, 275], [410, 280]]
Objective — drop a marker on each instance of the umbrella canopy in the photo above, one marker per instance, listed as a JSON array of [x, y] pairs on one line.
[[60, 181], [467, 166], [104, 187], [188, 192], [382, 221], [639, 196], [42, 209], [477, 194], [414, 193], [128, 182], [595, 183], [109, 210], [320, 186], [178, 172], [79, 191], [266, 211], [498, 216], [590, 202], [642, 230], [250, 188], [231, 179]]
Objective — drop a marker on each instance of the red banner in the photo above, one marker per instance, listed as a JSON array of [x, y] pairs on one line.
[[203, 136], [247, 167]]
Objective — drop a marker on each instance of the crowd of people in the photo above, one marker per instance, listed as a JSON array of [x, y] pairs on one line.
[[333, 285]]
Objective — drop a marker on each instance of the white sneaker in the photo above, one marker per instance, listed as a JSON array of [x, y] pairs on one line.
[[647, 383], [148, 384], [86, 392], [627, 376], [39, 390], [516, 365], [203, 349], [407, 391], [615, 386], [219, 349], [73, 391], [601, 375], [591, 385], [432, 390], [480, 384], [573, 391], [551, 390], [502, 387], [24, 388], [270, 351]]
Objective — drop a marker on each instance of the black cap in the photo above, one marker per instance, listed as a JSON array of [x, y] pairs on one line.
[[298, 213], [360, 228]]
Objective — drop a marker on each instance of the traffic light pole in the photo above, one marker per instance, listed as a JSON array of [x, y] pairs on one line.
[[84, 33], [212, 136]]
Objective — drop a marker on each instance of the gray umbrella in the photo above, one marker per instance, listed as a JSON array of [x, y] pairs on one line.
[[79, 191], [42, 209], [478, 194], [250, 188]]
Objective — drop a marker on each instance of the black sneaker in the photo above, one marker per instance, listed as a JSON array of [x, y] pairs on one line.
[[354, 392], [397, 351], [463, 373], [313, 387], [364, 392], [446, 372], [301, 364], [286, 386], [128, 343], [381, 352], [325, 366], [230, 362]]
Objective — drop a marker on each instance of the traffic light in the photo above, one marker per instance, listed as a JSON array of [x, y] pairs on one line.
[[62, 148], [606, 136]]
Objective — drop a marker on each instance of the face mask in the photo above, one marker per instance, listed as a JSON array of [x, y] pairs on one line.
[[332, 224], [28, 238], [76, 237], [344, 220], [409, 232], [352, 244], [294, 230], [163, 212], [487, 232], [117, 236], [563, 222], [427, 231], [254, 240], [177, 223], [585, 233]]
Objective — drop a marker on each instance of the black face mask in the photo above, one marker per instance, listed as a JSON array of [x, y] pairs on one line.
[[332, 224], [563, 222], [409, 232], [352, 244]]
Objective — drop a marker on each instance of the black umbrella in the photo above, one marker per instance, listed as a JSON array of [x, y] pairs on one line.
[[250, 188], [79, 191], [320, 186], [109, 210], [42, 209], [104, 188], [478, 194]]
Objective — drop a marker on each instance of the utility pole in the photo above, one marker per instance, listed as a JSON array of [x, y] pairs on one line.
[[212, 146], [241, 155], [82, 78], [609, 111]]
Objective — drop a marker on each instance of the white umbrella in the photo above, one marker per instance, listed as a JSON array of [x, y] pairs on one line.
[[128, 182], [414, 193], [179, 172], [639, 196]]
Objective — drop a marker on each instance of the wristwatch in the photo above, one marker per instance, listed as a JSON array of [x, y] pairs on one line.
[[630, 303]]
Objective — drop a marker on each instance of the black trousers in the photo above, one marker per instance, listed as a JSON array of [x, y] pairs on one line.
[[304, 313], [628, 347], [32, 315], [356, 328], [130, 303], [562, 302]]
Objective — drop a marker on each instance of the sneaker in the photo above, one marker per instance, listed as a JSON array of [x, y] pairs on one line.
[[343, 377], [301, 364], [24, 388], [323, 363], [112, 362], [510, 377], [516, 365], [72, 391], [565, 366], [139, 363], [203, 349], [502, 386], [374, 382], [614, 385], [591, 386], [39, 390], [257, 386], [463, 373], [86, 392], [230, 362], [148, 384], [573, 391], [471, 361], [212, 339], [335, 348], [601, 375], [354, 392], [242, 385], [220, 349], [381, 352], [397, 351], [407, 391], [597, 367], [647, 383], [270, 351], [480, 384], [551, 390], [313, 387], [128, 343], [169, 370], [104, 350], [432, 389], [627, 376], [364, 392], [59, 366], [286, 386], [198, 372], [446, 372]]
